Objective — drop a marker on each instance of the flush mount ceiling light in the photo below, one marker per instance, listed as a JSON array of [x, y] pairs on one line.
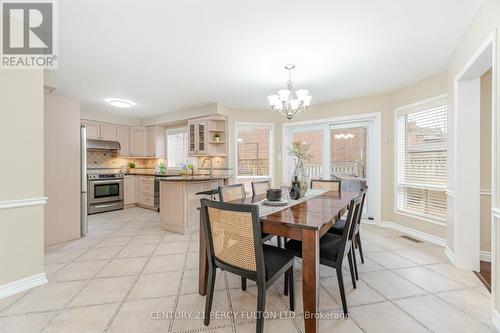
[[289, 102], [120, 103]]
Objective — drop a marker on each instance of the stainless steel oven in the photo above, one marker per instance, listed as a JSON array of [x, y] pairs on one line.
[[105, 193]]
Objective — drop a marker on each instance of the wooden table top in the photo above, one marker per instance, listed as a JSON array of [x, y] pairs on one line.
[[313, 213]]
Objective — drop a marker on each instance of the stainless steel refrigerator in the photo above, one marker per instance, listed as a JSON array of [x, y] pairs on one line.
[[83, 181]]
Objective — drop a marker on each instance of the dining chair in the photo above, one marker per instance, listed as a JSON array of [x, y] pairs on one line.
[[232, 192], [234, 244], [236, 192], [260, 187], [334, 248], [338, 229], [330, 185]]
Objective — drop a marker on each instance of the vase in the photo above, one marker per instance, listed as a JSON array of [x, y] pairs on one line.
[[300, 173]]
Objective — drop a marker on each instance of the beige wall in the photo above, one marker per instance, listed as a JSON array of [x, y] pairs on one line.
[[61, 168], [89, 114], [21, 173], [485, 179]]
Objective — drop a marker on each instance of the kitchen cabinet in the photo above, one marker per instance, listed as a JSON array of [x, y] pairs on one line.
[[192, 138], [99, 131], [93, 130], [156, 138], [123, 137], [207, 136], [129, 190], [109, 132], [138, 142], [197, 137], [145, 187]]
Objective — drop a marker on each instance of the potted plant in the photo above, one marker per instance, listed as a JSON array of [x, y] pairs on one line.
[[162, 168], [300, 151], [131, 165]]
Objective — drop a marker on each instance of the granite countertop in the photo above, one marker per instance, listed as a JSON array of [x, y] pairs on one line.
[[196, 178], [146, 173]]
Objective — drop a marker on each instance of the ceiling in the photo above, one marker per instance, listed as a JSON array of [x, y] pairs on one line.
[[168, 56]]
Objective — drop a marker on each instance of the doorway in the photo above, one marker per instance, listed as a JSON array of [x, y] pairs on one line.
[[464, 191], [344, 148]]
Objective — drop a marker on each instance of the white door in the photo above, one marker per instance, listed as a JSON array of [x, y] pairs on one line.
[[352, 158], [344, 149]]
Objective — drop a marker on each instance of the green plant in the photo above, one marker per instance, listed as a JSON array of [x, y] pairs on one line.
[[300, 150], [131, 165], [162, 167]]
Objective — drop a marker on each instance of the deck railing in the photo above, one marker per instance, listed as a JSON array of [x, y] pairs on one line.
[[338, 168]]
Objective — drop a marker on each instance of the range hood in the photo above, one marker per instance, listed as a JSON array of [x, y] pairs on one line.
[[103, 145]]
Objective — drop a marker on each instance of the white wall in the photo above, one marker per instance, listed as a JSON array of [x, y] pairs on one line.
[[486, 21]]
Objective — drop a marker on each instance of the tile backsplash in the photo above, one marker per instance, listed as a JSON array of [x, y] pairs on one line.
[[109, 160]]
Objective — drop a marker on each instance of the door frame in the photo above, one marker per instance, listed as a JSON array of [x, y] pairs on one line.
[[464, 192], [376, 117]]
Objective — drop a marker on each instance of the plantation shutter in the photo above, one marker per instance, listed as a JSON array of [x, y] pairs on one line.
[[421, 158]]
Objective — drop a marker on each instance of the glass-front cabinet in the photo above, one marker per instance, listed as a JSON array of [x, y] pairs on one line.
[[207, 136], [192, 138], [201, 138]]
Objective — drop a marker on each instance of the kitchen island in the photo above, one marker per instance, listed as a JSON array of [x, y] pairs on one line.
[[179, 203]]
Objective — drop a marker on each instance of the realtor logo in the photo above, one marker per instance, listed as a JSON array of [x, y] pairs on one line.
[[28, 34]]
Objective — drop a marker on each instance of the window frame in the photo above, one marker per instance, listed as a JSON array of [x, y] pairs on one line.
[[173, 131], [271, 150], [429, 103]]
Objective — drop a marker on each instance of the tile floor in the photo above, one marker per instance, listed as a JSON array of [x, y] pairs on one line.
[[129, 275]]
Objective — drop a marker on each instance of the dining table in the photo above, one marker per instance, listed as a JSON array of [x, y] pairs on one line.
[[305, 220]]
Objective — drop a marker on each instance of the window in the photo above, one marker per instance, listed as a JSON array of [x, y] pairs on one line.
[[253, 150], [313, 138], [177, 149], [421, 158], [348, 145]]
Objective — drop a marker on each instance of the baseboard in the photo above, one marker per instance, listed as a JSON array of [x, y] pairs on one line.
[[414, 233], [18, 286], [495, 319], [485, 256], [449, 254]]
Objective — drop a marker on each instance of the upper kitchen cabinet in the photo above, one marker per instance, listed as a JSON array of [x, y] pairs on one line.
[[109, 132], [93, 130], [123, 137], [99, 131], [156, 138], [208, 136], [138, 142]]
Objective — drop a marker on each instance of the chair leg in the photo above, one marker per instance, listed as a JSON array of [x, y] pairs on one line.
[[358, 241], [341, 287], [210, 294], [291, 289], [355, 263], [243, 283], [261, 306], [285, 288], [351, 268], [280, 241]]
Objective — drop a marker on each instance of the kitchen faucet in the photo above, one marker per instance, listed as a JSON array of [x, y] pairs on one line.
[[211, 164]]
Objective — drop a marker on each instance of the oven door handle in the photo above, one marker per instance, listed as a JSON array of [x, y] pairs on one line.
[[104, 182], [105, 206]]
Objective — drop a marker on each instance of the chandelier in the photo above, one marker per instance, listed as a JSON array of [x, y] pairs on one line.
[[289, 102]]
